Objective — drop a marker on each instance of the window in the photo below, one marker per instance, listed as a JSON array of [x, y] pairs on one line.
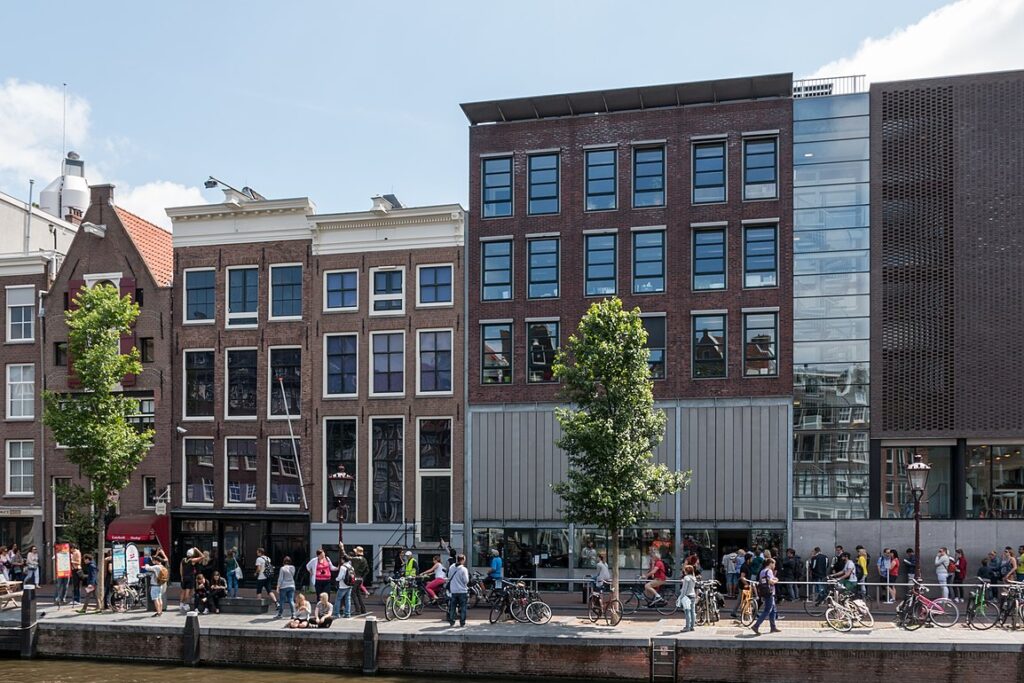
[[149, 493], [200, 295], [199, 471], [542, 257], [20, 468], [759, 256], [600, 265], [145, 417], [387, 296], [147, 350], [709, 172], [139, 298], [286, 291], [199, 379], [388, 363], [340, 449], [60, 487], [542, 341], [21, 384], [284, 472], [497, 271], [241, 390], [387, 465], [243, 296], [655, 327], [20, 318], [435, 444], [601, 179], [649, 262], [648, 177], [435, 285], [759, 172], [435, 362], [709, 259], [497, 187], [709, 346], [759, 342], [285, 381], [496, 354], [543, 171], [341, 290], [341, 364], [60, 354], [242, 463]]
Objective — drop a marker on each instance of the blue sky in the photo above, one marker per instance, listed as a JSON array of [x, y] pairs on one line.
[[340, 101]]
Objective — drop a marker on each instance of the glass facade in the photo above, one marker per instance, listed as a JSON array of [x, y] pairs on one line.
[[830, 311]]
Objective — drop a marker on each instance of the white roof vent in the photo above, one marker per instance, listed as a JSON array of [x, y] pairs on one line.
[[381, 205]]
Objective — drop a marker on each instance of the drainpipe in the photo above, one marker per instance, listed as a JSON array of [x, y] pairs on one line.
[[28, 218], [41, 318]]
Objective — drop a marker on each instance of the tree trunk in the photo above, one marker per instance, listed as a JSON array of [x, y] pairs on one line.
[[613, 559], [101, 563]]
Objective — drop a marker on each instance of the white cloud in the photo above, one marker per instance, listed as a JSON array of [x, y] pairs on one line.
[[968, 36], [150, 200]]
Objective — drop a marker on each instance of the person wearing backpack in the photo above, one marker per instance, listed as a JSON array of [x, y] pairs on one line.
[[766, 591], [346, 579], [157, 581], [264, 573]]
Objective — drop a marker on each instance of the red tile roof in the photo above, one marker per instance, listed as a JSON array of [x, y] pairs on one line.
[[153, 242]]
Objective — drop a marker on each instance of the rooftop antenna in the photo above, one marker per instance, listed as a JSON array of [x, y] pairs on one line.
[[64, 125]]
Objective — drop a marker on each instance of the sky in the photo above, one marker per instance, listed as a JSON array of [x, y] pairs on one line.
[[340, 101]]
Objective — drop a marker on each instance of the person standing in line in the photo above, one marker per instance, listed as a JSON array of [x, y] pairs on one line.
[[321, 568], [262, 577], [793, 564], [1020, 563], [882, 564], [745, 578], [458, 586], [362, 569], [346, 577], [1008, 567], [731, 573], [286, 588], [959, 574], [756, 562], [838, 563], [910, 562], [231, 567], [943, 563], [688, 597], [863, 561], [894, 575], [76, 576], [819, 572], [766, 580]]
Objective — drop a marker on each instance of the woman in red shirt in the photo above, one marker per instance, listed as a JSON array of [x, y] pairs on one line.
[[959, 575], [894, 574]]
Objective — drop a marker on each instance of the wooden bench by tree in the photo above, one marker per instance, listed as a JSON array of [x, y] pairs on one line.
[[10, 593]]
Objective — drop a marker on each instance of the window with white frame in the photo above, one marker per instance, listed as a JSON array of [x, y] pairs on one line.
[[243, 296], [200, 295], [341, 364], [341, 290], [21, 394], [388, 291], [242, 466], [199, 384], [388, 363], [20, 468], [435, 443], [145, 418], [60, 487], [285, 381], [149, 493], [21, 314], [340, 449], [285, 488], [286, 292], [435, 285], [434, 374], [199, 471], [386, 453], [241, 385]]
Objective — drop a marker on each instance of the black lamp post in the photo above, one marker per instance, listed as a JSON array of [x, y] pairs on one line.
[[917, 475], [341, 484]]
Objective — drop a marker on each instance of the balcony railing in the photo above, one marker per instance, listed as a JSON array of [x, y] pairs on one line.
[[823, 87]]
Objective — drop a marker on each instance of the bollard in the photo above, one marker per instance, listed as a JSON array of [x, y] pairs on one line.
[[370, 639], [28, 623], [190, 656]]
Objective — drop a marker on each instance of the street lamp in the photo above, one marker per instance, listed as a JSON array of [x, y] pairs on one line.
[[341, 484], [917, 475]]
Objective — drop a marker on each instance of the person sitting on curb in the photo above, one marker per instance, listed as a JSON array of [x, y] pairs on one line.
[[301, 617], [322, 612]]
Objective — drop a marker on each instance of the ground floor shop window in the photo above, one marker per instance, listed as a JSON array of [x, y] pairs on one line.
[[898, 499], [16, 532], [522, 550], [635, 547], [995, 482]]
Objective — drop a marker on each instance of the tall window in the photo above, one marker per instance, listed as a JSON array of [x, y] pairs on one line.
[[709, 359], [241, 398], [435, 285], [60, 354], [200, 295], [542, 343], [149, 493], [21, 391], [496, 353], [649, 177], [199, 470], [497, 270], [243, 466], [601, 179], [286, 291], [435, 361], [341, 290], [386, 446], [199, 379], [286, 370], [60, 487], [543, 171], [760, 268], [20, 468], [340, 449], [388, 363], [497, 187], [600, 265], [542, 257], [709, 259], [759, 169], [649, 262], [285, 488], [435, 444], [243, 296], [341, 364], [655, 327], [20, 318], [760, 357], [388, 290], [709, 172]]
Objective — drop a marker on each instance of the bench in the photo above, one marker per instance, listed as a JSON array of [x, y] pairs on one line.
[[244, 606], [10, 593]]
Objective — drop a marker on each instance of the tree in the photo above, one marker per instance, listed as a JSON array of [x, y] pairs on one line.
[[93, 424], [77, 523], [612, 428]]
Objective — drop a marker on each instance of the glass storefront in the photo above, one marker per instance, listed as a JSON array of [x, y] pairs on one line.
[[898, 500], [995, 482]]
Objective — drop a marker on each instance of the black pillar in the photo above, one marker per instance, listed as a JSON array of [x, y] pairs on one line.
[[875, 479], [958, 480]]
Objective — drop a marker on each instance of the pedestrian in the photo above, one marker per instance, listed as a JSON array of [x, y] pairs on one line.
[[89, 572], [1020, 563], [819, 572], [688, 596], [837, 560], [894, 575], [232, 569], [943, 564], [410, 568], [362, 569], [346, 577], [793, 564], [187, 572], [76, 576], [756, 562], [157, 580], [263, 571], [910, 562], [323, 613], [321, 568], [1008, 567], [32, 566], [746, 578], [992, 574], [458, 586], [959, 574], [495, 574], [882, 565], [286, 588], [60, 595], [863, 561], [766, 589], [732, 573]]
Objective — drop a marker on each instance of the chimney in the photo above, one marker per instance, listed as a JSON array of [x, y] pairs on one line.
[[74, 216], [101, 195], [381, 205]]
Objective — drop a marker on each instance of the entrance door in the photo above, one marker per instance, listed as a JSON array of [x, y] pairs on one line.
[[435, 508], [244, 538]]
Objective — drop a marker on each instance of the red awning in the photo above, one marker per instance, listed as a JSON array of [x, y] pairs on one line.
[[141, 528]]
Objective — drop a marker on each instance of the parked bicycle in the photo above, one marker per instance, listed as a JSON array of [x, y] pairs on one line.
[[1011, 605], [982, 613], [916, 610], [518, 602], [405, 598], [844, 608], [603, 606], [709, 602], [126, 596], [635, 597]]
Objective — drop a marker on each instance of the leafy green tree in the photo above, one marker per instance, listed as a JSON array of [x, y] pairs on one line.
[[93, 424], [77, 522], [612, 427]]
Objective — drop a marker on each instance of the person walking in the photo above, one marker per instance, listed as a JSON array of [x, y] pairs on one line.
[[286, 588], [766, 588], [458, 586], [943, 564], [232, 569], [32, 566], [346, 577], [263, 570], [89, 584], [362, 570], [688, 597]]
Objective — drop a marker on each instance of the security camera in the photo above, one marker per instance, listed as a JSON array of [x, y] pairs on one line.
[[182, 430]]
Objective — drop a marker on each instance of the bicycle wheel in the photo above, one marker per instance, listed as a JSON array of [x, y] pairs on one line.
[[915, 617], [403, 607], [613, 614], [389, 608], [497, 612], [813, 607], [864, 618], [943, 612], [119, 602], [982, 615], [668, 607], [702, 612], [839, 619], [474, 596], [384, 593], [538, 612], [517, 607], [630, 603], [594, 608], [748, 613]]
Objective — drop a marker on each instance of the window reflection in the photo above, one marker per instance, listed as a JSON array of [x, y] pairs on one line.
[[995, 482], [898, 499]]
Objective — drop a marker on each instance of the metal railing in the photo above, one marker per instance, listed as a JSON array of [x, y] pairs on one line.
[[823, 87]]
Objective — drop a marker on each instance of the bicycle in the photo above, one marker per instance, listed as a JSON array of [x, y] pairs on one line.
[[750, 604], [982, 613], [916, 610], [126, 596], [1011, 604], [708, 602], [519, 603], [845, 607], [405, 598], [598, 608], [665, 603]]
